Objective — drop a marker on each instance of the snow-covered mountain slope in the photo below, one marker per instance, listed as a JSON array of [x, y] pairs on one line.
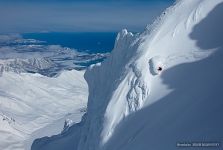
[[157, 88], [33, 105]]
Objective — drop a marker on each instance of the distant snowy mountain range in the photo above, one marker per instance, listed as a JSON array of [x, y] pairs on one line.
[[30, 55]]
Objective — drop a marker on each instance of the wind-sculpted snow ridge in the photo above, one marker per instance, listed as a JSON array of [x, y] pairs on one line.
[[157, 89]]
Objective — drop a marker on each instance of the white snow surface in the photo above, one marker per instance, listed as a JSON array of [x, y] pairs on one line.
[[130, 108], [33, 106]]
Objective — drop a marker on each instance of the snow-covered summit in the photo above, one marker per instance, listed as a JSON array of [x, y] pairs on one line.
[[132, 106]]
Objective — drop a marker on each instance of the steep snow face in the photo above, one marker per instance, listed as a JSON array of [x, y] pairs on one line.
[[31, 102], [126, 81], [191, 112], [133, 106]]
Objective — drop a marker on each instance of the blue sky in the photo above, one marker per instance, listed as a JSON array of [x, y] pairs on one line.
[[19, 16]]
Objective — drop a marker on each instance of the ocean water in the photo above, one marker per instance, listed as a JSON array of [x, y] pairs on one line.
[[90, 42]]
